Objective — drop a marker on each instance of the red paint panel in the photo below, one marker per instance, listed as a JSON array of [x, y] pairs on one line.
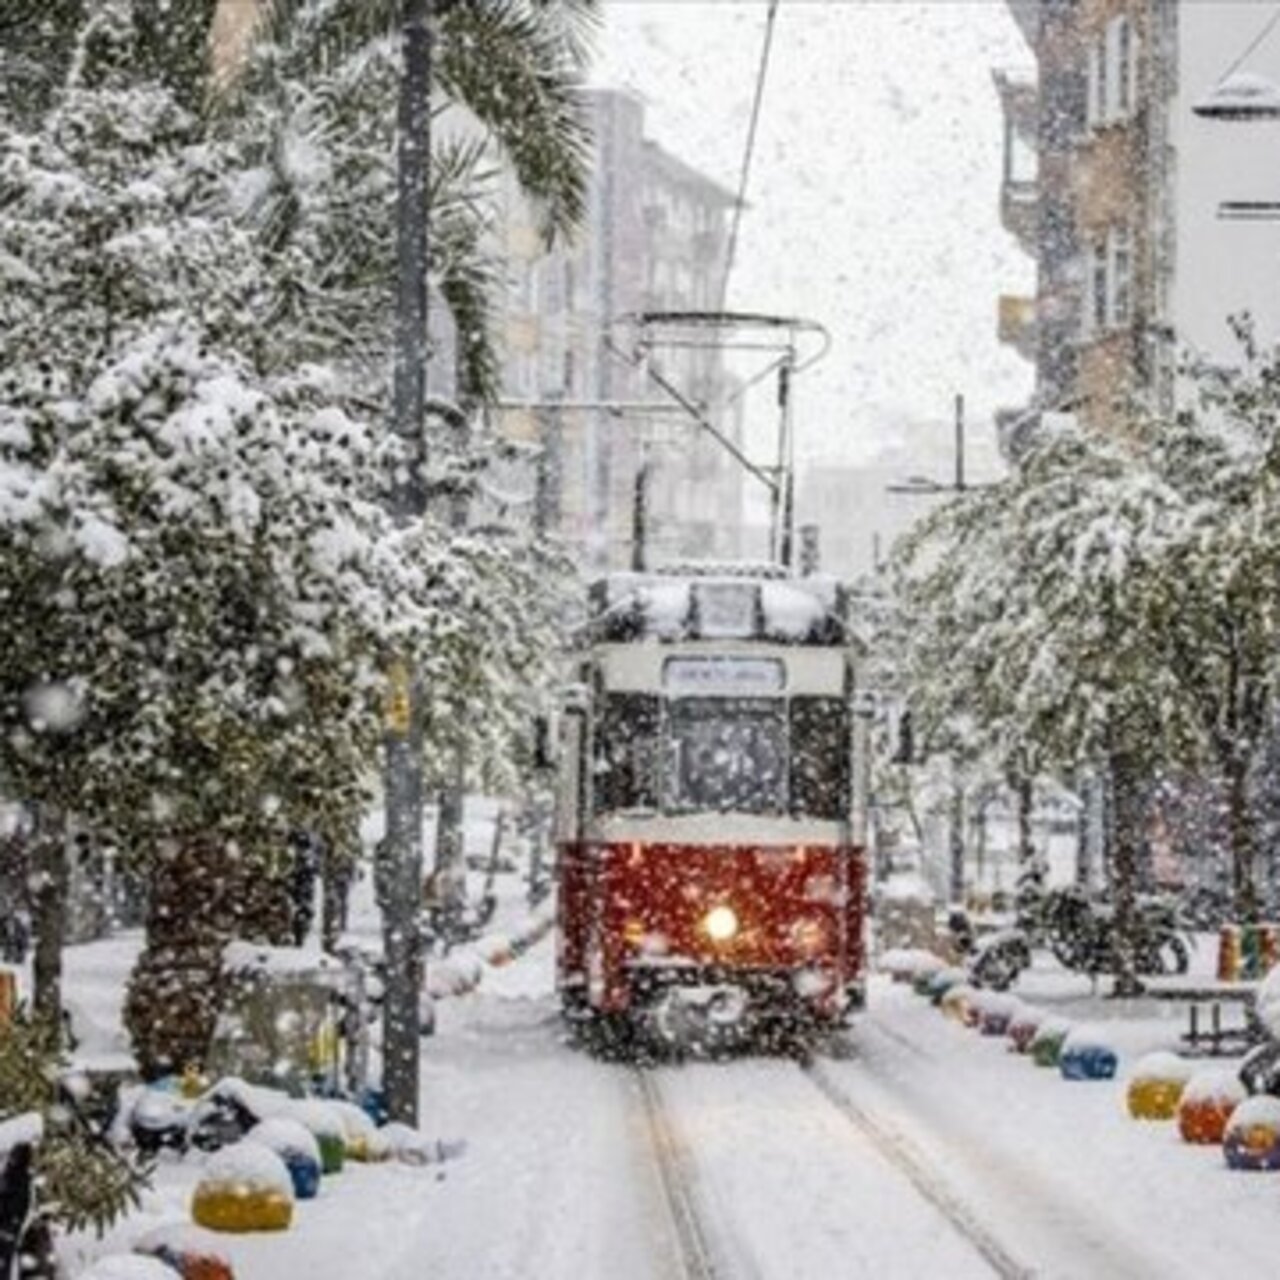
[[797, 906]]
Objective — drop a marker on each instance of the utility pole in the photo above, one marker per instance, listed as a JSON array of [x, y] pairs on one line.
[[400, 861], [923, 486], [640, 514]]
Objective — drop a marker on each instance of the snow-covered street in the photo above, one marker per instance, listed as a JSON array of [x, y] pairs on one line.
[[911, 1146]]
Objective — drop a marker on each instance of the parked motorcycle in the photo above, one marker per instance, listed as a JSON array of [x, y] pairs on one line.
[[1080, 931]]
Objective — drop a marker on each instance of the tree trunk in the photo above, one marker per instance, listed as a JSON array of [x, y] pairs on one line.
[[336, 873], [1126, 813], [48, 914], [1030, 880], [202, 895], [1244, 892]]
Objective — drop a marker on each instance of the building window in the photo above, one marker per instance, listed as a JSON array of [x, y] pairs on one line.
[[1124, 67], [1098, 287], [1099, 96], [1121, 277]]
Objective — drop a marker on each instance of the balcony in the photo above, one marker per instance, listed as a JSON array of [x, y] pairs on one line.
[[1017, 324], [1020, 211]]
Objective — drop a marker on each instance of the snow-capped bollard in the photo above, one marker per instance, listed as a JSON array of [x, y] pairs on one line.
[[192, 1252], [1252, 1137], [942, 982], [1046, 1044], [1206, 1105], [245, 1187], [995, 1012], [296, 1145], [906, 964], [360, 1135], [1087, 1055], [1023, 1026], [325, 1125], [1156, 1085], [956, 1003]]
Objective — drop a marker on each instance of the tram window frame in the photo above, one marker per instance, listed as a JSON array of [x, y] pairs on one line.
[[813, 789], [764, 708], [626, 767]]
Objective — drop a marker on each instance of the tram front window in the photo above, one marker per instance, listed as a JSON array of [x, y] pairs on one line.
[[726, 754]]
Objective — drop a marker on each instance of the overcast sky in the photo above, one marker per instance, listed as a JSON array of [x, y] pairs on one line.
[[874, 192]]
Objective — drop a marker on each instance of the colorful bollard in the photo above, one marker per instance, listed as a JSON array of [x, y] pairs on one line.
[[1251, 1140], [1156, 1085], [1086, 1055], [1206, 1105], [1046, 1044], [244, 1187], [1023, 1027]]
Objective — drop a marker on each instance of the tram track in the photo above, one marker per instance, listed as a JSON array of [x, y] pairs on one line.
[[893, 1148], [714, 1236], [695, 1255]]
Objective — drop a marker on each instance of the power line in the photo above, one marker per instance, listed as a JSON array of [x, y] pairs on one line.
[[761, 75], [1257, 40]]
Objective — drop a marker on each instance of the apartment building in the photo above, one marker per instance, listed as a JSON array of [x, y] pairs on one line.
[[1115, 188], [654, 241]]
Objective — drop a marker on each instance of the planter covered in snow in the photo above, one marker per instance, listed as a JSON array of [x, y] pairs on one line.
[[1206, 1105], [1252, 1137], [296, 1145], [1023, 1026], [245, 1187], [1086, 1055], [1046, 1044], [325, 1125], [1156, 1085]]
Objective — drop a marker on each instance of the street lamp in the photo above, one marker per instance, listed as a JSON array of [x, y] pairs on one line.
[[1245, 95]]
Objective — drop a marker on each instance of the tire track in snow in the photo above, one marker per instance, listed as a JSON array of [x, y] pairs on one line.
[[892, 1148]]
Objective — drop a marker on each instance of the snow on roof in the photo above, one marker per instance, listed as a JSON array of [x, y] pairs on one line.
[[720, 605]]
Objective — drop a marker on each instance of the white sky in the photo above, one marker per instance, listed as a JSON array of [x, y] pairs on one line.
[[874, 194]]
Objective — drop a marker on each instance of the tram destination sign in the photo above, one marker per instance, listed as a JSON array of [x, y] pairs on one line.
[[723, 674]]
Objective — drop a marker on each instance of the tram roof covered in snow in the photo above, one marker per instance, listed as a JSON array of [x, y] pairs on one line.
[[717, 601]]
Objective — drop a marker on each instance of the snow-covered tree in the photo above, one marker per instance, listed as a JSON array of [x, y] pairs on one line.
[[200, 585], [1036, 610]]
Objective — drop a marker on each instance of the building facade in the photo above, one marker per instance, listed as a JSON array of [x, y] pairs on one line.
[[575, 380], [1115, 188]]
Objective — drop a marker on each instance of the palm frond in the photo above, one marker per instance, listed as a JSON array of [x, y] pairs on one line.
[[511, 63]]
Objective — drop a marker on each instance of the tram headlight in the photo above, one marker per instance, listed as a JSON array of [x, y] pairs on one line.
[[720, 924]]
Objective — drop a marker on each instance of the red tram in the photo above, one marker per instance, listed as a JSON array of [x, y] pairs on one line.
[[709, 882]]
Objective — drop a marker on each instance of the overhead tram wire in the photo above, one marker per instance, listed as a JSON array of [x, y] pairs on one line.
[[744, 175], [1253, 45]]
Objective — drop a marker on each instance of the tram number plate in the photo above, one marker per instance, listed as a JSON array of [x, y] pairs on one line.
[[724, 674]]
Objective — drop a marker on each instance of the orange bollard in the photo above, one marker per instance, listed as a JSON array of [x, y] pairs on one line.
[[1270, 944], [1229, 953]]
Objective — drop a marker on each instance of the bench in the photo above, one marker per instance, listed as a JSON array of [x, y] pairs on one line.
[[1206, 1033]]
